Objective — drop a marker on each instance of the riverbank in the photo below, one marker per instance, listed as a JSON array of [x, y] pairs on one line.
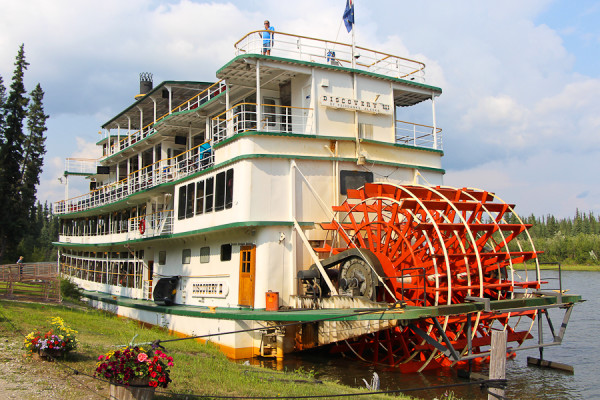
[[199, 369]]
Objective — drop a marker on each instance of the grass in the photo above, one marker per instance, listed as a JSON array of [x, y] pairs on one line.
[[200, 369]]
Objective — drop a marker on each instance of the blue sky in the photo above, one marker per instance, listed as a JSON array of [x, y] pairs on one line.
[[521, 79]]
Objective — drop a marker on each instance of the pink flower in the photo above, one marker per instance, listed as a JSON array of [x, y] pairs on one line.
[[142, 357]]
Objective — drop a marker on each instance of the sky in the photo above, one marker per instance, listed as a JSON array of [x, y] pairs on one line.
[[521, 79]]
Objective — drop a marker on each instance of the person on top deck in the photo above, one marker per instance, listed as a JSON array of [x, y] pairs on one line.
[[267, 38]]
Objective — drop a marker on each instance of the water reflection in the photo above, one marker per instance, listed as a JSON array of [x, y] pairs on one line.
[[579, 349]]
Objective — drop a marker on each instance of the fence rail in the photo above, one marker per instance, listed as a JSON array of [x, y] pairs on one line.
[[38, 280]]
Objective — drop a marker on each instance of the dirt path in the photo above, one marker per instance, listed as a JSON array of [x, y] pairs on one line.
[[23, 378]]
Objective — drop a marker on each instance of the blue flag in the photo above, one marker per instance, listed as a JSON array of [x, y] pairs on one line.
[[349, 15]]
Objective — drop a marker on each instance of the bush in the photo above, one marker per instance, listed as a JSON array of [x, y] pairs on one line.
[[69, 290]]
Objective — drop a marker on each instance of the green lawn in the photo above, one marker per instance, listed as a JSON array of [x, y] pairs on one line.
[[199, 369]]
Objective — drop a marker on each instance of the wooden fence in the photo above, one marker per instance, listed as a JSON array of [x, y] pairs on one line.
[[30, 281]]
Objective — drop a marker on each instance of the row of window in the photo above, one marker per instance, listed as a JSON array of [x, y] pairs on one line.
[[186, 255], [214, 193]]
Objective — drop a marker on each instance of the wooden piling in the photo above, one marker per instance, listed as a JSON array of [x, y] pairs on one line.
[[497, 362]]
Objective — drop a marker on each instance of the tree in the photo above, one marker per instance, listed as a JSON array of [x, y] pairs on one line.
[[35, 148], [12, 215]]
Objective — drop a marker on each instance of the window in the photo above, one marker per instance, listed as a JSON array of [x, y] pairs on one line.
[[270, 112], [354, 180], [200, 197], [189, 210], [208, 206], [182, 201], [204, 255], [186, 256], [229, 189], [162, 257], [225, 252], [220, 192]]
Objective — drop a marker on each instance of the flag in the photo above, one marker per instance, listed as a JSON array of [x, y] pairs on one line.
[[349, 15]]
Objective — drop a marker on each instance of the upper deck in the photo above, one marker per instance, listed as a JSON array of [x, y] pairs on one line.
[[189, 118]]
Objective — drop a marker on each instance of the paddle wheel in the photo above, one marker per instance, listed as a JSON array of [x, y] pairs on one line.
[[431, 246]]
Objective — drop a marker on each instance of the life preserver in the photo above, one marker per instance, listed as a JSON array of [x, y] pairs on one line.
[[142, 226]]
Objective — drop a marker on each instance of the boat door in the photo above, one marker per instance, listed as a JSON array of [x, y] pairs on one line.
[[271, 115], [247, 275], [150, 273]]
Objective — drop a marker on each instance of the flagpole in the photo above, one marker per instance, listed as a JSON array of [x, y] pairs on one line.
[[353, 43]]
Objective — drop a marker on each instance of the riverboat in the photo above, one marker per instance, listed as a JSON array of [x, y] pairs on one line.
[[292, 204]]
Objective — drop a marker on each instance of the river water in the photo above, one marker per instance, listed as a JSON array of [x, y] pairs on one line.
[[579, 349]]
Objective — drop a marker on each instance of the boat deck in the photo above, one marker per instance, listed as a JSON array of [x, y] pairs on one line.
[[408, 313]]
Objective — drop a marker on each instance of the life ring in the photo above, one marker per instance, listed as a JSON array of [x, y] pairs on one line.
[[142, 226]]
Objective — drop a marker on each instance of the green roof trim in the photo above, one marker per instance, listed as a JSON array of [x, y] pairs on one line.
[[159, 86], [333, 67], [211, 229]]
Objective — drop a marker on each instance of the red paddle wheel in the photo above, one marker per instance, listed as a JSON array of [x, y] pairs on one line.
[[437, 246]]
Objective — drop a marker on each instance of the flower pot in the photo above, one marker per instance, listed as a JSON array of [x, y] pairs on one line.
[[51, 354], [138, 389]]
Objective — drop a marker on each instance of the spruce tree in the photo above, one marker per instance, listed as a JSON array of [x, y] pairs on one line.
[[35, 148], [12, 214]]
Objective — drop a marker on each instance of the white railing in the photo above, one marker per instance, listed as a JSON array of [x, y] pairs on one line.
[[150, 225], [333, 53], [274, 118], [418, 135], [196, 159], [190, 104], [81, 165]]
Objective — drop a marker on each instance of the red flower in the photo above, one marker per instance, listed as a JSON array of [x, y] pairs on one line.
[[153, 374]]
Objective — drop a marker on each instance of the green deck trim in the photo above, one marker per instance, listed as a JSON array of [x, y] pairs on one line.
[[403, 314], [332, 67], [156, 123], [65, 173], [403, 146], [187, 233], [248, 157]]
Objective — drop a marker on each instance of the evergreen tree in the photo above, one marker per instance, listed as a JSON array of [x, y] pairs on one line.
[[35, 148], [12, 214]]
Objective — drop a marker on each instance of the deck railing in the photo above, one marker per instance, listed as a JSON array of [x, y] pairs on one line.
[[148, 130], [333, 53], [150, 225], [81, 166], [163, 171], [418, 135], [274, 118]]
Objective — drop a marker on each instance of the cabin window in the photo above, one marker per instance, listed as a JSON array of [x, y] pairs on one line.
[[182, 201], [204, 255], [270, 111], [220, 192], [208, 199], [186, 256], [226, 252], [229, 189], [354, 180], [200, 197], [162, 257], [189, 210]]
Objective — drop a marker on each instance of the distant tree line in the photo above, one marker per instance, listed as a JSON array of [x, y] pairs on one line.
[[568, 240], [22, 149]]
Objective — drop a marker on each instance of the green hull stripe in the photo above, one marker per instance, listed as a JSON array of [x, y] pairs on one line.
[[407, 314]]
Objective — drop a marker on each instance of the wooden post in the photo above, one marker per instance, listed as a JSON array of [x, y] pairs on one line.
[[497, 361]]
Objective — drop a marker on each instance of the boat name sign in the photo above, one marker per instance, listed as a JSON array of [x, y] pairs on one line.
[[350, 104], [202, 289]]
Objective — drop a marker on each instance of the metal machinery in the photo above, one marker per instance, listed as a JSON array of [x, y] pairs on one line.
[[418, 246]]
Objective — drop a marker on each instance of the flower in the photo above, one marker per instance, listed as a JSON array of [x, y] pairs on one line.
[[59, 337], [131, 364]]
